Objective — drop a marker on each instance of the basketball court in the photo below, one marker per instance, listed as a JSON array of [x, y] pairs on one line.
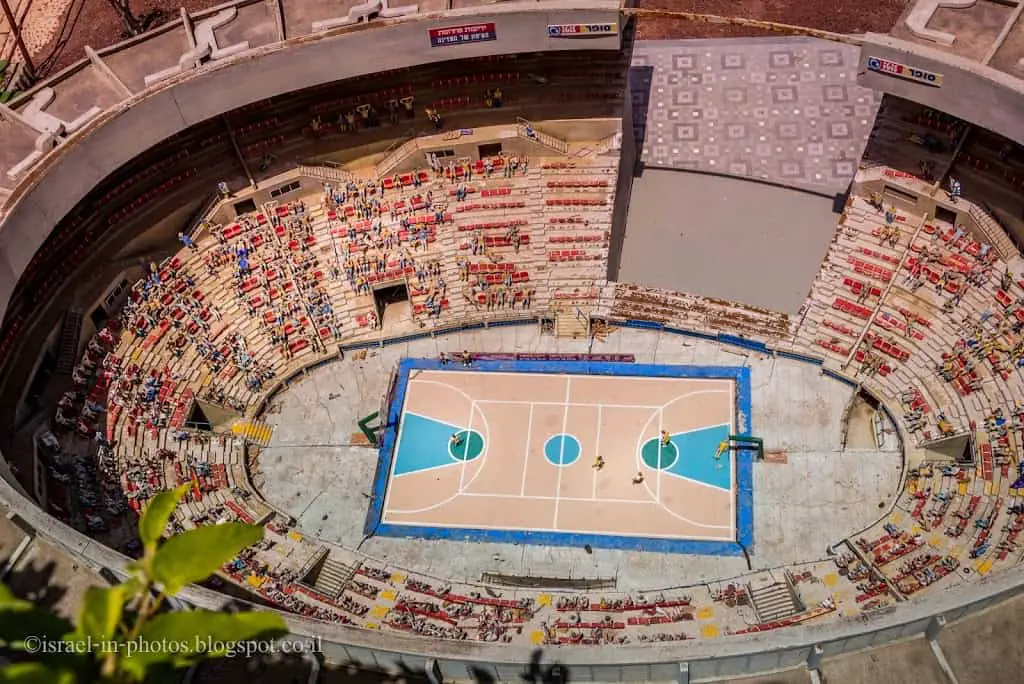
[[615, 455]]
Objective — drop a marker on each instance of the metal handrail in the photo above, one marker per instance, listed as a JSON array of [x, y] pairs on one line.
[[540, 137], [386, 165]]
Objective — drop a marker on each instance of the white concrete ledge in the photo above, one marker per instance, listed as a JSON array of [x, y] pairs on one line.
[[922, 13]]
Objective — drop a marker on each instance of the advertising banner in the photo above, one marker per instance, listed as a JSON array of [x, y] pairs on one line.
[[884, 66], [582, 30], [459, 35]]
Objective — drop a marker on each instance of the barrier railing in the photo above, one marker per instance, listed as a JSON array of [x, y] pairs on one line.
[[526, 131], [395, 157], [325, 171], [994, 233]]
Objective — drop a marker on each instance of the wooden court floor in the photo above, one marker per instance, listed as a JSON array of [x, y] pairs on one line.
[[523, 459]]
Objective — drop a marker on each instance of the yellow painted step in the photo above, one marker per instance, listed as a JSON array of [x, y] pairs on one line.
[[709, 631]]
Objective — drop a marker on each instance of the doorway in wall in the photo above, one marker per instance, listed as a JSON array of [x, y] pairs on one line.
[[489, 150], [392, 303], [945, 215], [245, 207]]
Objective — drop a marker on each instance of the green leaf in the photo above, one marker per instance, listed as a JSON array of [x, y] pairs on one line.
[[6, 595], [133, 587], [182, 637], [22, 620], [100, 612], [139, 568], [195, 555], [34, 673], [154, 519]]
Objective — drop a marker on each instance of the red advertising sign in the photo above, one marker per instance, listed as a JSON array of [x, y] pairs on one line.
[[458, 35]]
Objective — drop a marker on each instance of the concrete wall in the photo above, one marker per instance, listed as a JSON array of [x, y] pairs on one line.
[[979, 94]]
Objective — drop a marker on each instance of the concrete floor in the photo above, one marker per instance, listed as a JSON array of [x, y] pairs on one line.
[[311, 472], [726, 238], [906, 662], [800, 676], [46, 575], [986, 647]]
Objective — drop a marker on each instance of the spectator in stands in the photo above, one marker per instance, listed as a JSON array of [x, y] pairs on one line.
[[223, 189], [434, 117], [434, 163], [187, 241], [926, 169], [492, 97], [954, 190], [410, 110]]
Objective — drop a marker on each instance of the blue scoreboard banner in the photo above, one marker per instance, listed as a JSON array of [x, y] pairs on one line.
[[582, 30]]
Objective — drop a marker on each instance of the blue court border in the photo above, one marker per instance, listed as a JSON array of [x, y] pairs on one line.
[[744, 461]]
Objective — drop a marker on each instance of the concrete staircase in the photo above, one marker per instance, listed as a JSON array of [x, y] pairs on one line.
[[70, 334], [994, 234], [331, 578], [527, 131], [570, 323], [396, 156], [774, 601], [254, 432], [326, 172]]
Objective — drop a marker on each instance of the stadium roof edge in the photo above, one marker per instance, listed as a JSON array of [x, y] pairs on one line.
[[965, 88]]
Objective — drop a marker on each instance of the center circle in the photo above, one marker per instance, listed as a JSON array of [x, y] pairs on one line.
[[562, 450]]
